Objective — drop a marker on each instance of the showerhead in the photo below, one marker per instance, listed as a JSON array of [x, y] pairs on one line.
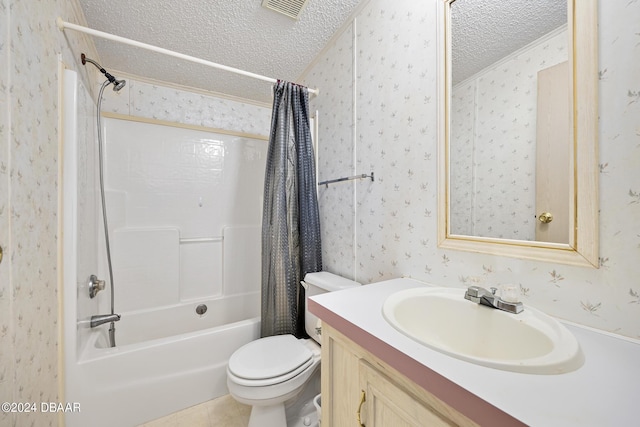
[[117, 84]]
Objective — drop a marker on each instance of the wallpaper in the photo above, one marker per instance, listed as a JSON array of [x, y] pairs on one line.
[[160, 102], [493, 150], [336, 160], [6, 339], [394, 221], [30, 43], [29, 163], [461, 146]]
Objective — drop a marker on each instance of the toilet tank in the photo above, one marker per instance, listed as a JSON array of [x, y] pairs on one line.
[[319, 283]]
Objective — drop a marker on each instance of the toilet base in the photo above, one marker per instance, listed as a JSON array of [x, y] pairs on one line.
[[303, 416], [268, 416], [296, 411]]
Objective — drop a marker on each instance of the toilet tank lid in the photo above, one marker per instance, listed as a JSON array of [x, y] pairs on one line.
[[329, 281]]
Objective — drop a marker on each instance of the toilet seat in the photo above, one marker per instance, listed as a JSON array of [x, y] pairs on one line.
[[269, 361]]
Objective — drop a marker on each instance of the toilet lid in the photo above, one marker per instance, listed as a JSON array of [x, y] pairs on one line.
[[269, 357]]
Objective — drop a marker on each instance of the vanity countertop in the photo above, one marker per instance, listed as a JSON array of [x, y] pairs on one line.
[[603, 392]]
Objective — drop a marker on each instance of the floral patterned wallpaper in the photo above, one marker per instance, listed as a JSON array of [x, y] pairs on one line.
[[462, 183], [392, 222], [29, 365], [30, 45], [337, 158], [6, 338], [180, 105], [493, 150]]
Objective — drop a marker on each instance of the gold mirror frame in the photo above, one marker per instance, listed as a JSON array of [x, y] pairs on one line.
[[583, 247]]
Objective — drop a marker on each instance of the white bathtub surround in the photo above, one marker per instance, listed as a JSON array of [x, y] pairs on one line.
[[602, 392], [184, 207]]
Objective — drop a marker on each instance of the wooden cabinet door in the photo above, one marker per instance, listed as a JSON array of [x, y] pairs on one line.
[[340, 391], [386, 404]]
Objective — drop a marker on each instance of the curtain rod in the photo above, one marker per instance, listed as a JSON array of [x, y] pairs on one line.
[[63, 24]]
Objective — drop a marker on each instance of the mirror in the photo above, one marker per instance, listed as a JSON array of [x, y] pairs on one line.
[[499, 110], [518, 129]]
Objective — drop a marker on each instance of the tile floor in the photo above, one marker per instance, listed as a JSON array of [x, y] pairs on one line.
[[221, 412]]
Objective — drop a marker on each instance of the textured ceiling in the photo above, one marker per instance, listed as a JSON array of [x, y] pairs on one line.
[[238, 33], [243, 34], [484, 31]]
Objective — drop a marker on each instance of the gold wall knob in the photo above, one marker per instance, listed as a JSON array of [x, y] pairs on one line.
[[545, 217]]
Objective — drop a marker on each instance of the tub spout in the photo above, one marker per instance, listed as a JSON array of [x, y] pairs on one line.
[[103, 318]]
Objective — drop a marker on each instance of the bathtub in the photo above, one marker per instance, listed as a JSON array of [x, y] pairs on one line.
[[145, 377], [168, 355], [178, 320]]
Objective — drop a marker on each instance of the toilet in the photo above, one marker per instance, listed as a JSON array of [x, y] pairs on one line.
[[277, 372]]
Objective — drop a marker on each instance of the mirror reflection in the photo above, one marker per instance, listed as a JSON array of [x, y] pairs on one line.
[[510, 124]]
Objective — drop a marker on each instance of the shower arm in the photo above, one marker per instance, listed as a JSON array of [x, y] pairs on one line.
[[117, 84], [84, 60]]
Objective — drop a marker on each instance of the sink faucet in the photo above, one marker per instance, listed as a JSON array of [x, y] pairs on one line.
[[482, 296], [103, 318]]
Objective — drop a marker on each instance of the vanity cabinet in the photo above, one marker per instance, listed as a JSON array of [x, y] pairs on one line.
[[359, 389]]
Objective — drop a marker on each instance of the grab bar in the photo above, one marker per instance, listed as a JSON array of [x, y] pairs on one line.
[[187, 240]]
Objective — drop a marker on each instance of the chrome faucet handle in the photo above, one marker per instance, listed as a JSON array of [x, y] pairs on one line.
[[474, 293], [95, 285], [511, 307]]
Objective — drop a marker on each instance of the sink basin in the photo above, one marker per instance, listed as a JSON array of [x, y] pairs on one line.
[[440, 318]]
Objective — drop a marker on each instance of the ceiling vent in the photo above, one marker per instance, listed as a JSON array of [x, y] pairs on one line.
[[290, 8]]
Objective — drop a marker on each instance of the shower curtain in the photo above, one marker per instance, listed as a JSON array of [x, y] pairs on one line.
[[290, 218]]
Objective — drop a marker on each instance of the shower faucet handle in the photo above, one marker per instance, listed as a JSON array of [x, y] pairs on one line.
[[95, 285]]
